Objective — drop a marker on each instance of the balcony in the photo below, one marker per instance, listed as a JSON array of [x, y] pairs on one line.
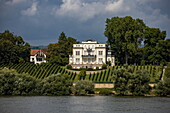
[[88, 56]]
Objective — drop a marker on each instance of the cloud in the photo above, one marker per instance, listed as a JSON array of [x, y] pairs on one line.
[[11, 2], [86, 10], [117, 6], [33, 10]]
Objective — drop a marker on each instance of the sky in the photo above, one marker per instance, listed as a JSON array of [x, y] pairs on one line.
[[40, 22]]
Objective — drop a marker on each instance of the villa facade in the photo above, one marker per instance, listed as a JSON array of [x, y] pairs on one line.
[[90, 54], [38, 56]]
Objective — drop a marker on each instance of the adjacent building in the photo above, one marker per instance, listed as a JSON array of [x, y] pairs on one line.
[[38, 56], [90, 54]]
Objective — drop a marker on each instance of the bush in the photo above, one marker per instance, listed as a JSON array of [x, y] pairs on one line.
[[89, 69], [127, 82], [56, 85], [83, 87], [69, 67], [97, 68], [105, 92], [12, 83], [104, 66], [108, 63], [167, 72], [163, 87], [82, 74]]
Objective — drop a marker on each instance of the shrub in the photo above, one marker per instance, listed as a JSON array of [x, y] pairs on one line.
[[82, 74], [89, 69], [12, 83], [105, 92], [56, 85], [163, 87], [104, 66], [69, 67], [127, 82], [97, 68], [108, 63], [83, 87], [167, 72]]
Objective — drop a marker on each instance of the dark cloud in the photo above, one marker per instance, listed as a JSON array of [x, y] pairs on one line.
[[41, 21]]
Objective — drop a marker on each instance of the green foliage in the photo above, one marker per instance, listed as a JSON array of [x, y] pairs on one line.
[[139, 83], [83, 87], [125, 36], [82, 74], [126, 82], [13, 49], [105, 91], [69, 67], [104, 66], [167, 72], [56, 85], [97, 68], [12, 83], [59, 52], [163, 87]]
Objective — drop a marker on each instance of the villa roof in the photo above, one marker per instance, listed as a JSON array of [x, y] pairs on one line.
[[90, 39], [35, 51]]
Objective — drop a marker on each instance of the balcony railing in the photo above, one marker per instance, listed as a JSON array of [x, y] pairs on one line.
[[89, 56]]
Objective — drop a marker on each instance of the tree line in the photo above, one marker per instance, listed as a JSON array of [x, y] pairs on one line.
[[133, 42], [13, 83]]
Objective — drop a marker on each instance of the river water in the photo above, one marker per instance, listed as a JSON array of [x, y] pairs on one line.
[[84, 104]]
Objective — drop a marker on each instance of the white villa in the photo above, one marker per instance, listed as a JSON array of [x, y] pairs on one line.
[[90, 54], [38, 56]]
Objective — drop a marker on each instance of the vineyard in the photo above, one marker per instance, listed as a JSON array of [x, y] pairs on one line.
[[39, 71], [44, 70], [155, 73]]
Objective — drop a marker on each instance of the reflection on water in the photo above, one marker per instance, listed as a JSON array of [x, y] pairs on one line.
[[84, 104]]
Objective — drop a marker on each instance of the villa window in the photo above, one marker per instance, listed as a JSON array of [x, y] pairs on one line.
[[77, 60], [39, 59], [77, 52], [100, 60], [85, 59], [100, 52]]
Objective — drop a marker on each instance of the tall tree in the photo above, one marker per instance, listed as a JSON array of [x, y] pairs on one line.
[[124, 36], [13, 48], [59, 52], [154, 49]]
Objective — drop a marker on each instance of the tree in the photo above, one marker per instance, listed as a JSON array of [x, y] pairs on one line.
[[83, 87], [82, 74], [163, 87], [12, 83], [155, 48], [59, 52], [122, 81], [139, 83], [56, 85], [13, 48], [127, 82], [124, 36]]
